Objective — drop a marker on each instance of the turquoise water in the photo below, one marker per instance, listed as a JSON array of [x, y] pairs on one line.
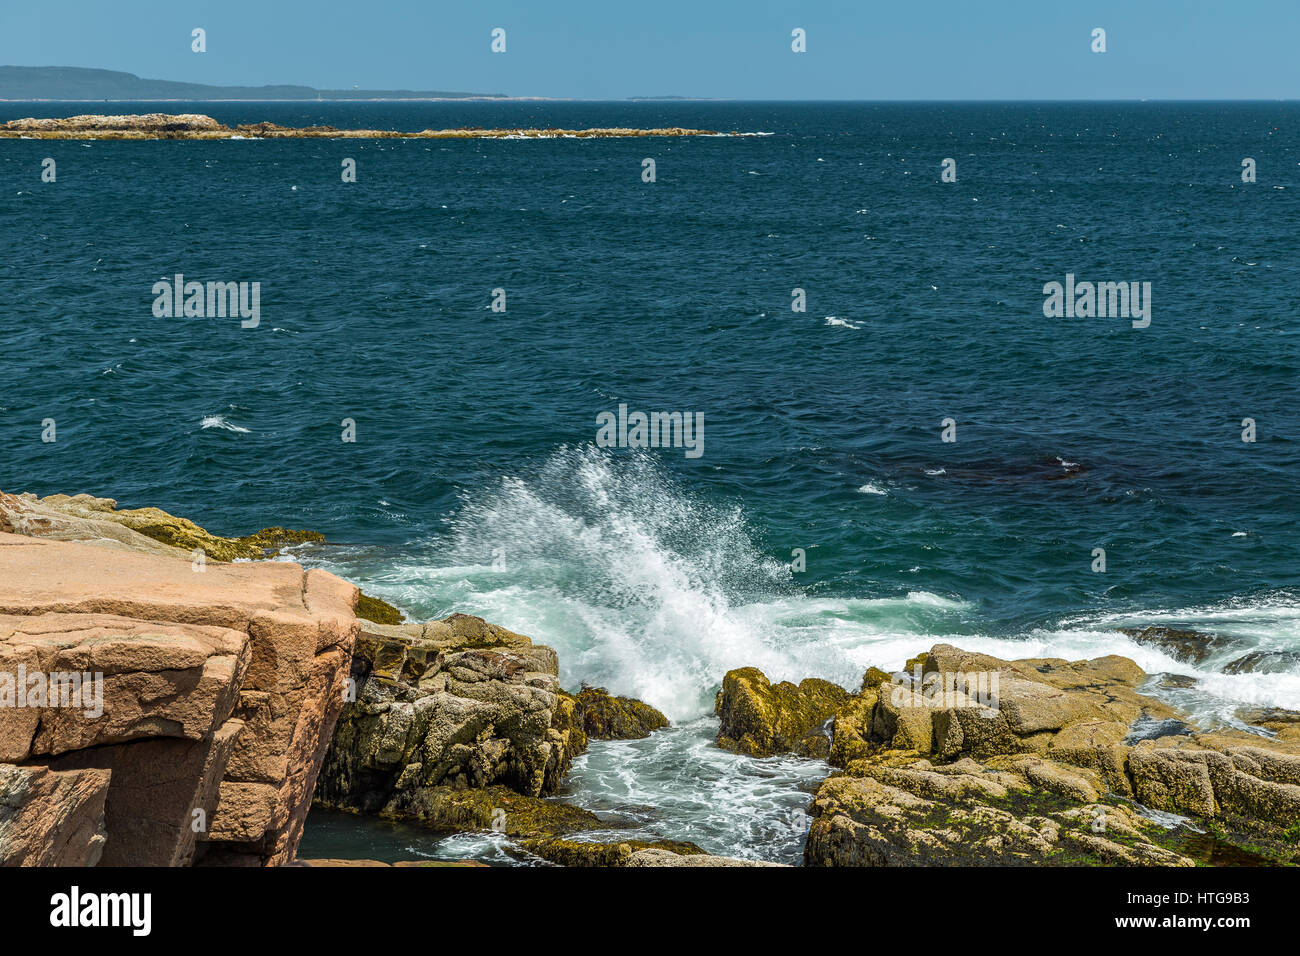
[[476, 483]]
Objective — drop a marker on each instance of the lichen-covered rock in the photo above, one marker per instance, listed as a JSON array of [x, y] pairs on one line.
[[457, 703], [1240, 779], [570, 852], [605, 717], [919, 813], [495, 809], [97, 521], [760, 718], [951, 778]]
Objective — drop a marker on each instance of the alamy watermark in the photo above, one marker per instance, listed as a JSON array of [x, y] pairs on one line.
[[1102, 300], [63, 689], [210, 300], [945, 690], [653, 430]]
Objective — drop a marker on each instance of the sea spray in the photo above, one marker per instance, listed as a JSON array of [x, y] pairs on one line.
[[655, 591]]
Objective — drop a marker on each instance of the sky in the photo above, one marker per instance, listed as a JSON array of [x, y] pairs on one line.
[[736, 49]]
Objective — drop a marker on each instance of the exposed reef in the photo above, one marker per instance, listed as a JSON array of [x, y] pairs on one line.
[[198, 126]]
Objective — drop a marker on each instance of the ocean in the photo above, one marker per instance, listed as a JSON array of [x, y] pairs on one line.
[[826, 525]]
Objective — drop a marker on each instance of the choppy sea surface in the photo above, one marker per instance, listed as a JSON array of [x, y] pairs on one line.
[[476, 482]]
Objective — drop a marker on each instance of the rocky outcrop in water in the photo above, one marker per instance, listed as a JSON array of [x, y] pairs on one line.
[[460, 725], [210, 692], [759, 718], [1189, 647], [1063, 767], [605, 717], [457, 703], [198, 126]]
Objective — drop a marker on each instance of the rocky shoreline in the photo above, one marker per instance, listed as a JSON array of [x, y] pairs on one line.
[[197, 126], [234, 695], [1072, 764]]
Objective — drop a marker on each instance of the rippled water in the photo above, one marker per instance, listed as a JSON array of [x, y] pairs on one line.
[[475, 485]]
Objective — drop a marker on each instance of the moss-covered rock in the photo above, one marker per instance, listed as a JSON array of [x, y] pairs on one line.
[[1023, 777], [88, 518], [761, 719], [378, 611], [569, 852], [616, 718], [919, 813], [273, 540], [495, 808]]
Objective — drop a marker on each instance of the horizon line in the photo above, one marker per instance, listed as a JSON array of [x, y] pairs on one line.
[[489, 98]]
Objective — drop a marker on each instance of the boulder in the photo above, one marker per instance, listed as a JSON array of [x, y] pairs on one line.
[[616, 718], [457, 703], [761, 719], [218, 686], [922, 814]]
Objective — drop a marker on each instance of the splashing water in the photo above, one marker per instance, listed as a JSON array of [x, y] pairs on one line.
[[655, 593], [643, 588]]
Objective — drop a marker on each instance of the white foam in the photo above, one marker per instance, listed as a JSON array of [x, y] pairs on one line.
[[645, 589], [219, 421]]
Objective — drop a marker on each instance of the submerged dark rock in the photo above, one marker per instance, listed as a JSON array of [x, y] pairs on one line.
[[1147, 728], [1264, 662], [1189, 647]]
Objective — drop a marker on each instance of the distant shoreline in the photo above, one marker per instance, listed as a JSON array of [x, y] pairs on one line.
[[350, 99], [391, 99]]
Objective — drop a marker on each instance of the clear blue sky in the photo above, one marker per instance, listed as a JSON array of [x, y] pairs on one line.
[[857, 49]]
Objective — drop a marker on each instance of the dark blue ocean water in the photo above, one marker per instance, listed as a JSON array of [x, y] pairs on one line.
[[475, 484]]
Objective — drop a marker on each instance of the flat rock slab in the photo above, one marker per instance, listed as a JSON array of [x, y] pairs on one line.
[[228, 677]]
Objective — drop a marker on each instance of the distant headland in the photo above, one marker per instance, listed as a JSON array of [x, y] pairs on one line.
[[78, 84]]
